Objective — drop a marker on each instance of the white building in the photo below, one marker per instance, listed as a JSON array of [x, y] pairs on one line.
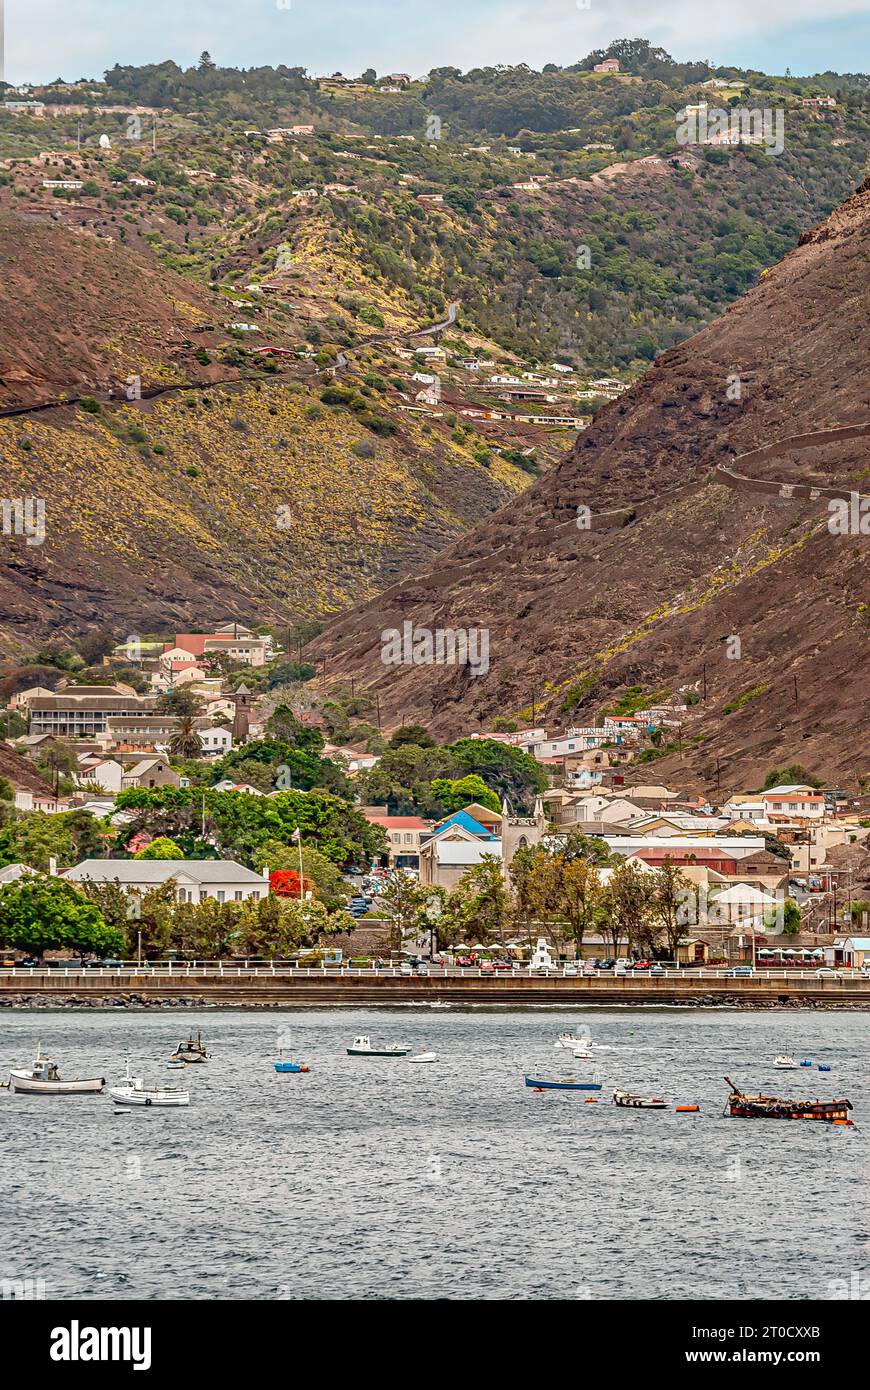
[[215, 741], [195, 879]]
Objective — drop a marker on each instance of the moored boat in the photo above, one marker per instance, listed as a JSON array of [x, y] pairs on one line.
[[362, 1047], [759, 1107], [785, 1064], [131, 1090], [562, 1083], [569, 1041], [290, 1066], [43, 1078], [583, 1054], [424, 1057], [191, 1051], [630, 1102]]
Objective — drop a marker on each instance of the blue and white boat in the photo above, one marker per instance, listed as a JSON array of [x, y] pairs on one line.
[[564, 1083]]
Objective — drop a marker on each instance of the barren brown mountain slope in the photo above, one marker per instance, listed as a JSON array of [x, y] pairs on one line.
[[577, 615]]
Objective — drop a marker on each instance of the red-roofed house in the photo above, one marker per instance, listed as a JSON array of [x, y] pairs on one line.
[[403, 833]]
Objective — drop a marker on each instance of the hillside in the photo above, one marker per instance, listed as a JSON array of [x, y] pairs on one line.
[[647, 596], [264, 261]]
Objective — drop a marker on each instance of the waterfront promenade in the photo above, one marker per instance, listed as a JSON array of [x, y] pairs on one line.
[[263, 986]]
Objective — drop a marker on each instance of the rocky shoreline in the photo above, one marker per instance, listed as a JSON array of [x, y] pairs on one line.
[[50, 1003]]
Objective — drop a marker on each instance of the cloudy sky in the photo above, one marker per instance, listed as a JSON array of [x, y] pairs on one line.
[[79, 38]]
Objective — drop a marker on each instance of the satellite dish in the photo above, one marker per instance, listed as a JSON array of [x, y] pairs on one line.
[[105, 142]]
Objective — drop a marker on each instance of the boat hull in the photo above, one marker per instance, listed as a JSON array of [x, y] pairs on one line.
[[569, 1084], [378, 1052], [830, 1112], [159, 1100], [290, 1067], [25, 1084], [627, 1102]]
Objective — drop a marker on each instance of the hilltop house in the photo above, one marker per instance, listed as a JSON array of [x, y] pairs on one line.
[[607, 65]]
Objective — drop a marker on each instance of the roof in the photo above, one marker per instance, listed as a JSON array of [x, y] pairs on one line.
[[156, 871], [744, 893], [466, 822], [398, 822]]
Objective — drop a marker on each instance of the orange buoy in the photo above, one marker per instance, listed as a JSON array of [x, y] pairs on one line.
[[688, 1109], [591, 1100]]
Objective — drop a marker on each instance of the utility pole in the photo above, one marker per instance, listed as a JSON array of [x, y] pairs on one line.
[[154, 135], [378, 704], [704, 671]]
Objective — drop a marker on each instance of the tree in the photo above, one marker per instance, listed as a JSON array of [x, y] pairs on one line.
[[626, 906], [320, 873], [402, 903], [58, 760], [670, 902], [509, 772], [36, 838], [411, 733], [161, 848], [582, 897], [478, 909], [186, 742], [43, 914], [453, 795], [180, 701]]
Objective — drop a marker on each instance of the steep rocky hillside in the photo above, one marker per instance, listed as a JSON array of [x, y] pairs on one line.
[[646, 596]]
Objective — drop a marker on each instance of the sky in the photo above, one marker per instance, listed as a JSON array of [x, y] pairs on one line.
[[81, 38]]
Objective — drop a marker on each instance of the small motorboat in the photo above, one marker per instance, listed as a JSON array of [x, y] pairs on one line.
[[283, 1066], [583, 1054], [630, 1102], [44, 1079], [785, 1063], [131, 1090], [176, 1064], [362, 1047], [424, 1057], [568, 1040], [747, 1107], [191, 1051], [562, 1083]]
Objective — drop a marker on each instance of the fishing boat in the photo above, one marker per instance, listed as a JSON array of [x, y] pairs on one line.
[[630, 1102], [785, 1064], [289, 1066], [562, 1083], [362, 1047], [583, 1054], [44, 1079], [424, 1057], [191, 1051], [569, 1041], [131, 1090], [774, 1108], [176, 1064]]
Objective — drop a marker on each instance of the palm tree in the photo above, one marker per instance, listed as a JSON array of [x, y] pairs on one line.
[[186, 742]]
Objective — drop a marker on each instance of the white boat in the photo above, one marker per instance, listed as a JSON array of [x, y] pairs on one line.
[[131, 1090], [43, 1078], [424, 1057], [570, 1041], [176, 1064], [785, 1064], [584, 1054], [440, 1004], [362, 1047]]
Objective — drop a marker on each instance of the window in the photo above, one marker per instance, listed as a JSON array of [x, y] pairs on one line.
[[238, 895], [221, 895]]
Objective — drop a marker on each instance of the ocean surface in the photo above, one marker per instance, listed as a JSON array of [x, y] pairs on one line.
[[370, 1178]]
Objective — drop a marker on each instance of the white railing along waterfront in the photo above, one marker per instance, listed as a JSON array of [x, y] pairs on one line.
[[221, 969]]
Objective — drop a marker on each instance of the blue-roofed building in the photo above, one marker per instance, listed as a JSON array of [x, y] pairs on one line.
[[471, 824]]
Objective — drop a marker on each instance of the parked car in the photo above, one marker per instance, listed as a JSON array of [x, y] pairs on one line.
[[488, 966], [569, 969], [104, 965], [620, 969], [503, 964], [827, 972], [406, 968], [421, 968], [605, 964], [656, 972], [738, 972]]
